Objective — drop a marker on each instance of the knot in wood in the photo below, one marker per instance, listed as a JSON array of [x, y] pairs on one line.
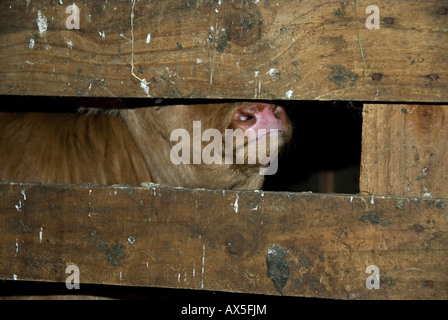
[[236, 244], [244, 25], [388, 21], [442, 10]]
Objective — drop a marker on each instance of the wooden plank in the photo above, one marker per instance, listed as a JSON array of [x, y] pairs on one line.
[[295, 244], [219, 49], [405, 150]]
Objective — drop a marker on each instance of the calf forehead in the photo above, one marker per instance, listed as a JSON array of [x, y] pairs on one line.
[[213, 115]]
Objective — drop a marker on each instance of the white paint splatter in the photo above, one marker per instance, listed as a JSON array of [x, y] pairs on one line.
[[102, 34], [126, 38], [14, 277], [272, 72], [148, 38], [372, 200], [41, 233], [144, 86], [203, 266], [69, 44], [31, 45], [90, 214], [42, 23], [289, 93], [17, 246], [427, 194], [235, 205], [257, 90], [19, 206]]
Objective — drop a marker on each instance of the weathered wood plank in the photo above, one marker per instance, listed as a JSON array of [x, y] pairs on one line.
[[224, 49], [405, 150], [297, 244]]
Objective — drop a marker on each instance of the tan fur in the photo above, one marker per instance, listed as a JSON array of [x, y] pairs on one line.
[[130, 146]]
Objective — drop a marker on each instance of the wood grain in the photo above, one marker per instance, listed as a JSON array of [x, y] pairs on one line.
[[240, 50], [295, 244], [405, 150]]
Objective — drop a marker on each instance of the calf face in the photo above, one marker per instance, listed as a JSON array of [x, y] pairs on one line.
[[152, 129]]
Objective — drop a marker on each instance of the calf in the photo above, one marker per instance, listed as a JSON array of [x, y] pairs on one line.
[[131, 146]]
